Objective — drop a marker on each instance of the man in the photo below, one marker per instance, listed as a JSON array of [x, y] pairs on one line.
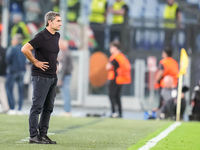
[[120, 18], [73, 10], [119, 73], [16, 67], [3, 97], [19, 27], [44, 77], [168, 95], [195, 103], [64, 75], [167, 66], [72, 17], [172, 16], [97, 20]]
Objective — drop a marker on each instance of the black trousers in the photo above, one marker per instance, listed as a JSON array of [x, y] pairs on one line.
[[115, 96], [44, 92], [168, 37], [99, 35], [115, 32]]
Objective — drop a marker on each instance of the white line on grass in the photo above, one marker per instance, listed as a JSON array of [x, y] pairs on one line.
[[151, 143], [23, 140]]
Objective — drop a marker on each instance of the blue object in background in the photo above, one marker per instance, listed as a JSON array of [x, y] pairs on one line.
[[149, 115]]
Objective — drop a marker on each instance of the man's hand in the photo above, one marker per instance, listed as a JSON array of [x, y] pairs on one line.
[[42, 65], [59, 83], [192, 103], [109, 66]]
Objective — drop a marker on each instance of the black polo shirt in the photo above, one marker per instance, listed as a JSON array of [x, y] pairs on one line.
[[46, 49]]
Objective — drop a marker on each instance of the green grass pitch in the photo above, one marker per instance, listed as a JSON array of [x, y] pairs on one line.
[[95, 134]]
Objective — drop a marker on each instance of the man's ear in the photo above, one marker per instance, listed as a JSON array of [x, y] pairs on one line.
[[49, 21]]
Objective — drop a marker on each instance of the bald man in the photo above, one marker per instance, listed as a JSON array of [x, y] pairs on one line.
[[64, 75], [168, 95]]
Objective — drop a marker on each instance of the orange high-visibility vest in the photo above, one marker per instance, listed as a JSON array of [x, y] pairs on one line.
[[170, 68], [124, 70]]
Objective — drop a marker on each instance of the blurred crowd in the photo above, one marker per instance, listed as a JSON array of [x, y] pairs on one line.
[[29, 16]]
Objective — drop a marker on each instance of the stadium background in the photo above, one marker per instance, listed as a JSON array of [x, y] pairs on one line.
[[143, 48]]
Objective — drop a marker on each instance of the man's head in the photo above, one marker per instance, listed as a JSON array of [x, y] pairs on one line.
[[16, 39], [170, 2], [115, 47], [167, 52], [168, 81], [17, 18], [53, 20]]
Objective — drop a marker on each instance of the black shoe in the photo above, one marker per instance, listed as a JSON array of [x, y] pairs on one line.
[[37, 139], [46, 139]]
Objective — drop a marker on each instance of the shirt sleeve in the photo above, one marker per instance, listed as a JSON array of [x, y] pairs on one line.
[[10, 53], [115, 63], [106, 6], [160, 67], [36, 41], [125, 7], [177, 11]]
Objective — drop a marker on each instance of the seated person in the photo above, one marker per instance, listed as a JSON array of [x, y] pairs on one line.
[[168, 95], [183, 102], [195, 102]]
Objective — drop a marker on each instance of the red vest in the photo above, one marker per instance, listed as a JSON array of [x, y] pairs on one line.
[[170, 68], [124, 70]]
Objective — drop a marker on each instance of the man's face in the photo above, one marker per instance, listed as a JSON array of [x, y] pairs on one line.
[[112, 49], [164, 55], [14, 42], [170, 2], [56, 23]]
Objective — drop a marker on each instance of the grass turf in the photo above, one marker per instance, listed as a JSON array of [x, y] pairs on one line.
[[80, 133], [185, 137]]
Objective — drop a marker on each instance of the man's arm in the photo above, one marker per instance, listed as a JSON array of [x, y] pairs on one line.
[[112, 65], [8, 55], [159, 73], [179, 17], [159, 76], [26, 49], [117, 12]]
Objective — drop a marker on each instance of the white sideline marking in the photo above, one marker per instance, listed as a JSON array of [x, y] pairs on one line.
[[23, 140], [151, 143]]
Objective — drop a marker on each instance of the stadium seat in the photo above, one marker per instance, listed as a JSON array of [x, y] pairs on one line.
[[181, 40], [161, 10], [193, 2], [147, 37], [136, 9], [139, 39], [157, 40]]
